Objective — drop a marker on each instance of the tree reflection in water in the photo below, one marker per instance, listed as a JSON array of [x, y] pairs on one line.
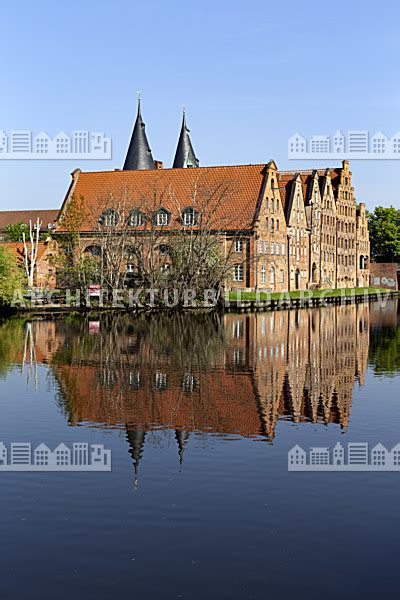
[[226, 374]]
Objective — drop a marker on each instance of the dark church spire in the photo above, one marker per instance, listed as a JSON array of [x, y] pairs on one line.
[[139, 155], [185, 156], [181, 437], [136, 437]]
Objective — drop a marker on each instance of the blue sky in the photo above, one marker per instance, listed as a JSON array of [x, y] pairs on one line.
[[250, 74]]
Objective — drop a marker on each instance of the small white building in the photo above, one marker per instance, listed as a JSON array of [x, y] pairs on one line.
[[319, 456], [100, 456], [357, 453], [99, 144], [338, 454], [62, 143], [21, 141], [379, 143], [338, 145], [81, 453], [357, 141], [394, 144], [379, 455], [320, 144], [297, 456], [61, 456], [42, 455], [80, 142], [42, 143], [297, 144], [3, 454], [3, 142], [395, 455]]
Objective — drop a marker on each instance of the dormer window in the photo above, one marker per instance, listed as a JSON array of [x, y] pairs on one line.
[[189, 216], [162, 217], [136, 218], [109, 218]]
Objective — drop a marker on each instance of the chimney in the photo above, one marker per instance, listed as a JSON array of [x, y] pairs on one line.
[[158, 164]]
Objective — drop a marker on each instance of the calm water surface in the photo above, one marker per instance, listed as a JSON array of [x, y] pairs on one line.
[[200, 413]]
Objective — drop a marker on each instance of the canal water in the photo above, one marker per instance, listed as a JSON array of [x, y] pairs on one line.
[[199, 413]]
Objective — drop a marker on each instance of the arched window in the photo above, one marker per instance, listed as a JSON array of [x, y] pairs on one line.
[[93, 250], [109, 218], [162, 217], [136, 218], [189, 216], [272, 225], [272, 205], [277, 224]]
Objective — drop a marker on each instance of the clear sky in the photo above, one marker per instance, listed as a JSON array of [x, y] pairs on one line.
[[249, 72]]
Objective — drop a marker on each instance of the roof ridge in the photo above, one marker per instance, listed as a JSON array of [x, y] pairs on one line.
[[203, 167]]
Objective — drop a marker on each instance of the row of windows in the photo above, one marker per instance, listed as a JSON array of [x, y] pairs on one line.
[[347, 211], [346, 261], [263, 274], [272, 204], [271, 248], [346, 244], [346, 227], [274, 225], [111, 218], [96, 251]]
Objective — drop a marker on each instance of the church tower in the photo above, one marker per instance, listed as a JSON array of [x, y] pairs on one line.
[[185, 156], [139, 155]]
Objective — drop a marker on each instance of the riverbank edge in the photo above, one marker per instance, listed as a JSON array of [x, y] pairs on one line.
[[238, 304]]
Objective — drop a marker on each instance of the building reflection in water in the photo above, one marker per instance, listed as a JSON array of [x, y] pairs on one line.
[[231, 374]]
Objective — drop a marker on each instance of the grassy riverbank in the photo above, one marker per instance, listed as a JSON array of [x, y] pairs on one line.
[[299, 294]]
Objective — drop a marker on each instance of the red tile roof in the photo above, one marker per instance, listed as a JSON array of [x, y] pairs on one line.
[[236, 191], [13, 217]]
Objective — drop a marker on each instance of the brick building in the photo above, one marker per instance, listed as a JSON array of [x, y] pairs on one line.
[[282, 230]]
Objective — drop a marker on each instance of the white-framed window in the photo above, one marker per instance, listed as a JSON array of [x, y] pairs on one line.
[[281, 276], [189, 216], [261, 246], [272, 276], [136, 218], [130, 268], [277, 249], [283, 249], [162, 218], [263, 275], [272, 248], [266, 247], [109, 218], [238, 273], [238, 245]]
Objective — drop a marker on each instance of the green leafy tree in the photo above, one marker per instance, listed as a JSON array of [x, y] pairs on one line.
[[14, 233], [384, 234], [11, 277]]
